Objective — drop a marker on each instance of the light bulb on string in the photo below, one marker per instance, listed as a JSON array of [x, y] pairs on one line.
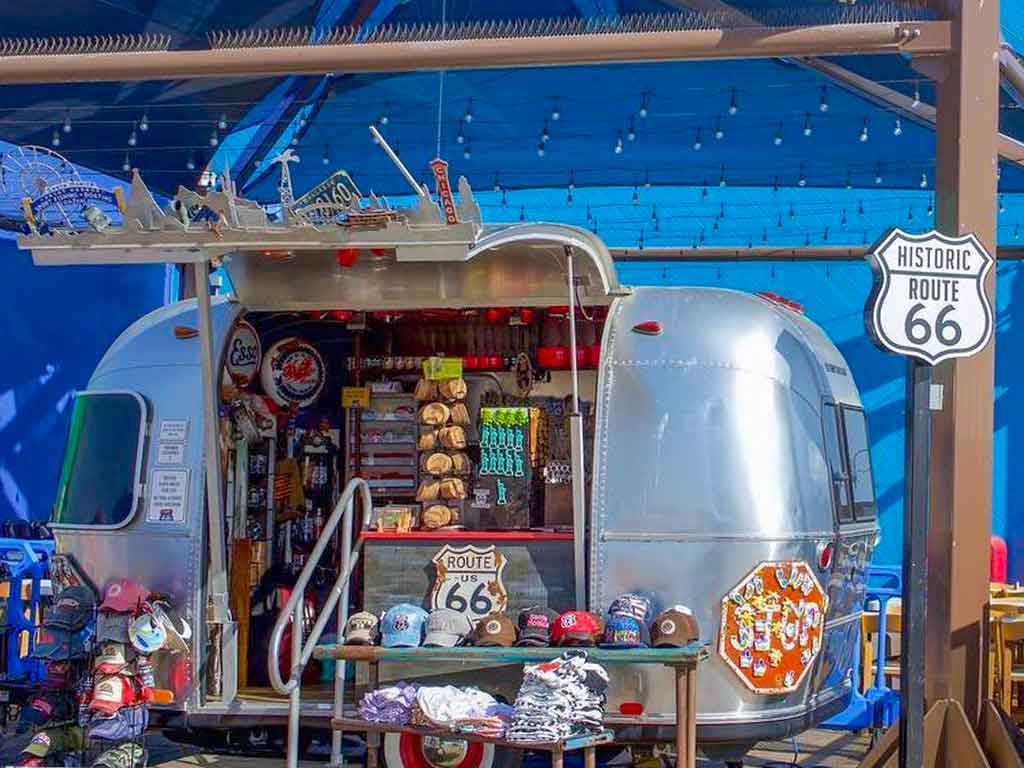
[[222, 123], [504, 198], [302, 122], [593, 227], [823, 106], [654, 212], [931, 207], [540, 149], [779, 223], [522, 213], [588, 212], [733, 106], [497, 184], [460, 137], [715, 225], [878, 173], [719, 133], [802, 181], [1016, 231], [917, 94], [133, 137], [775, 184], [556, 113], [215, 138], [640, 243], [863, 241], [750, 241], [385, 117], [631, 133], [807, 241], [190, 163], [1002, 207], [647, 179], [897, 128], [126, 166], [808, 129], [636, 195], [697, 141], [656, 227], [792, 212], [864, 131], [701, 240], [326, 159], [468, 114], [144, 122], [860, 207], [467, 152], [721, 177], [572, 180], [67, 122], [568, 197], [910, 213], [643, 104], [704, 189], [842, 219], [618, 143], [55, 139], [777, 139], [849, 181], [825, 235], [545, 135], [924, 181]]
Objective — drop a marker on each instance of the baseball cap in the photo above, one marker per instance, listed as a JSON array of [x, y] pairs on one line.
[[446, 628], [402, 626], [495, 630], [50, 707], [147, 634], [112, 626], [111, 658], [577, 628], [535, 625], [52, 741], [72, 608], [637, 606], [127, 755], [623, 631], [58, 644], [674, 628], [123, 596], [176, 638], [126, 723], [58, 676], [362, 628], [110, 693]]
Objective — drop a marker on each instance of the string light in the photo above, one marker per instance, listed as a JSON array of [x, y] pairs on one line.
[[460, 137], [1016, 231], [924, 181], [825, 237], [654, 212], [588, 212], [572, 180], [385, 118], [144, 122], [215, 138], [468, 115], [733, 106], [849, 181], [643, 104], [55, 139], [540, 149], [326, 159], [222, 123], [568, 196], [522, 213], [67, 122], [697, 142], [294, 142], [764, 234], [302, 122], [721, 177], [778, 136], [779, 224], [842, 219], [126, 166], [631, 134], [807, 244], [808, 130], [497, 184], [190, 163], [556, 114], [802, 181], [823, 106], [133, 137], [864, 131], [504, 198], [860, 207], [704, 189], [719, 133], [931, 207], [792, 212], [1002, 208], [618, 143], [878, 173], [917, 94], [647, 179], [775, 184], [897, 128], [467, 152], [910, 213], [636, 195], [545, 135]]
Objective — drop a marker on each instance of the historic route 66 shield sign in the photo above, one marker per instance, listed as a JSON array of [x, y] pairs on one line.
[[929, 297]]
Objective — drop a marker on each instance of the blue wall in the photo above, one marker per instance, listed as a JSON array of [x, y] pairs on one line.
[[834, 296], [57, 322]]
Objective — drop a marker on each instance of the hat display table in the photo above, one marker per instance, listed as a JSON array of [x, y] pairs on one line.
[[683, 660]]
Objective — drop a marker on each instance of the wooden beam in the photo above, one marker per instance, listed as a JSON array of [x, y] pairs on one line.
[[966, 129], [913, 38]]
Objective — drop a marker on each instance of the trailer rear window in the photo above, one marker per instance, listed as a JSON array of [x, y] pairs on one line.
[[855, 427], [99, 478]]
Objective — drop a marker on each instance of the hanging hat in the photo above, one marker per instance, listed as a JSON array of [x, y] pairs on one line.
[[177, 639], [72, 609], [147, 634], [124, 596]]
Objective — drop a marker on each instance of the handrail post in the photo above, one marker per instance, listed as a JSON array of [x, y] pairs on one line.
[[337, 759], [294, 698]]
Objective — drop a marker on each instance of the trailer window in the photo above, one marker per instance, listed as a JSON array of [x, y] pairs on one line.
[[837, 464], [855, 427], [99, 477]]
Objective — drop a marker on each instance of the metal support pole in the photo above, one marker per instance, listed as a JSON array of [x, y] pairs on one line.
[[341, 618], [579, 499], [915, 564], [295, 697], [960, 512]]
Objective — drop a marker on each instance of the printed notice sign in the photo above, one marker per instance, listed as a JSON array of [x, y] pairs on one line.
[[168, 496], [170, 453], [173, 430]]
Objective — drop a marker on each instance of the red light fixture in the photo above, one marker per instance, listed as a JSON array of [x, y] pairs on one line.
[[825, 553], [782, 301], [631, 708], [346, 257], [648, 328]]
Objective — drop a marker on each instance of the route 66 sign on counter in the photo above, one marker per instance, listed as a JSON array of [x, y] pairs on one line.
[[929, 298], [468, 580]]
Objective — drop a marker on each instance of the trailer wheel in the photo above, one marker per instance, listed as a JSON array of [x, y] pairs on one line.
[[409, 750]]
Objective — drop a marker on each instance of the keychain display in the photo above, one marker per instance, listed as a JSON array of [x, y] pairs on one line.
[[503, 477]]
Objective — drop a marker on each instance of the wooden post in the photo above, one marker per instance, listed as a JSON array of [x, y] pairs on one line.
[[961, 455], [373, 738], [686, 717]]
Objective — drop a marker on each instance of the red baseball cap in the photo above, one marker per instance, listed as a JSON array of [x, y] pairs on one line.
[[577, 628], [123, 596], [112, 692]]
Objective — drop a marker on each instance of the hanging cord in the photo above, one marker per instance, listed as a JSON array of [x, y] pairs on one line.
[[440, 81]]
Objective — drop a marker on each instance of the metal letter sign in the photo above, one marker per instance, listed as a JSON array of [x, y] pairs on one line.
[[468, 580], [929, 298]]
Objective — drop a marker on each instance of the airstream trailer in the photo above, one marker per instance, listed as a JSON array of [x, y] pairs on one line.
[[728, 449]]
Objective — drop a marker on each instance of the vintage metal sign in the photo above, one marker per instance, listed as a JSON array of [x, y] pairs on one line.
[[244, 354], [293, 373], [444, 190], [333, 196], [468, 580], [772, 626], [929, 298]]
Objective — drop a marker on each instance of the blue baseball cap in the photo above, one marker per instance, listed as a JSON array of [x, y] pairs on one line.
[[624, 632], [402, 626], [637, 606]]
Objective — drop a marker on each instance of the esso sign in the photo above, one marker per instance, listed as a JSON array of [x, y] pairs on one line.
[[244, 354], [929, 298]]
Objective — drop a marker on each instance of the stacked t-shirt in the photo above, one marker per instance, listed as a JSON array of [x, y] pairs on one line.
[[391, 704], [560, 698]]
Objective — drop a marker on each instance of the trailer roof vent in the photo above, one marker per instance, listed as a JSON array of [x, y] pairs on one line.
[[782, 301]]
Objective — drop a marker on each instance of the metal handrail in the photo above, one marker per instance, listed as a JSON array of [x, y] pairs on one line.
[[293, 611]]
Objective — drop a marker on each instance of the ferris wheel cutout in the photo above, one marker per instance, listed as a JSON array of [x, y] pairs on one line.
[[28, 172]]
